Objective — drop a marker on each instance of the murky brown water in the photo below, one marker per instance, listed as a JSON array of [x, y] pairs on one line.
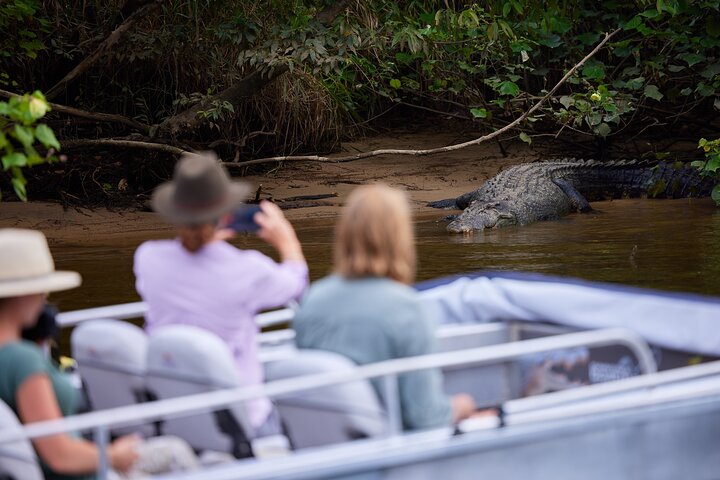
[[678, 248]]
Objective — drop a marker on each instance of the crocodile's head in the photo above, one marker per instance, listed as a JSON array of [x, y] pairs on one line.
[[479, 216]]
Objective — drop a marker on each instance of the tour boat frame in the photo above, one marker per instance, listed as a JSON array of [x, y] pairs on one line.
[[606, 429]]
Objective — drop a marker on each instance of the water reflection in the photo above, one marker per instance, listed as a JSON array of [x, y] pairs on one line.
[[676, 244], [678, 248]]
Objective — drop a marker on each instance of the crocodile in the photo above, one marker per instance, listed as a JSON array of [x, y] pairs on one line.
[[547, 190]]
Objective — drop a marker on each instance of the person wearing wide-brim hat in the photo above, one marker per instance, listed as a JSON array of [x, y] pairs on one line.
[[200, 279], [29, 383]]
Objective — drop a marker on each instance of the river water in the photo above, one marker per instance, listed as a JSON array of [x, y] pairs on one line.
[[678, 248]]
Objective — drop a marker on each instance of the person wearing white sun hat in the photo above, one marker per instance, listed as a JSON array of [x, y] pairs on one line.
[[27, 266], [29, 383]]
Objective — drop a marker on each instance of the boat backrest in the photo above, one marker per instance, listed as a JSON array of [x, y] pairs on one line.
[[458, 337], [111, 357], [488, 384], [327, 415], [185, 360], [17, 459]]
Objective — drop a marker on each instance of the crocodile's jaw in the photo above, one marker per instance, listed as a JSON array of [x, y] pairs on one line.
[[480, 218]]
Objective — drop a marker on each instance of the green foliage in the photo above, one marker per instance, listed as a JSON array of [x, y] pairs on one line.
[[489, 59], [479, 112], [711, 149], [217, 112], [21, 31], [599, 110], [19, 132], [711, 165], [490, 56]]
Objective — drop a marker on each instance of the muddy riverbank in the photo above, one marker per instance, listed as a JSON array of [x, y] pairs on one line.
[[425, 179]]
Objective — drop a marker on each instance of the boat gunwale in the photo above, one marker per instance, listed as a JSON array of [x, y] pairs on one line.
[[207, 402]]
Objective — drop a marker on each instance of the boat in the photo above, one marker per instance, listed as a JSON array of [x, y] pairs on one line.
[[589, 380]]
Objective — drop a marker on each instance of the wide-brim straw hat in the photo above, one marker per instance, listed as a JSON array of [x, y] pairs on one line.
[[200, 191], [27, 267]]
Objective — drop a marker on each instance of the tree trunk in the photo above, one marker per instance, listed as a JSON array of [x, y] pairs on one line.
[[97, 54], [245, 88]]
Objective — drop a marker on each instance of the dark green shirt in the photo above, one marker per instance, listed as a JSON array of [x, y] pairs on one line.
[[18, 362]]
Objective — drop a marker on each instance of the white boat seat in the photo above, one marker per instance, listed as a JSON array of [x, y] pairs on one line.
[[327, 415], [185, 360], [111, 357], [17, 460]]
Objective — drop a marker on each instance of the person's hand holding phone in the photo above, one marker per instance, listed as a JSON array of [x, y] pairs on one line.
[[278, 232], [241, 221]]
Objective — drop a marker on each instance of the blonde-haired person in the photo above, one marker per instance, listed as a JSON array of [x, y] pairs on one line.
[[368, 312], [199, 279], [34, 388]]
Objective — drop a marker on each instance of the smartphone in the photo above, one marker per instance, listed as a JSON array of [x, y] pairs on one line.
[[243, 221]]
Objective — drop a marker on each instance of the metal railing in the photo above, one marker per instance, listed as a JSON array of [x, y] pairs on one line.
[[384, 455], [601, 390], [101, 421], [127, 311], [649, 394]]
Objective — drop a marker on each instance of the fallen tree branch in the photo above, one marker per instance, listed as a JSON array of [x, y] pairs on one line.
[[116, 142], [111, 40], [101, 117], [432, 151]]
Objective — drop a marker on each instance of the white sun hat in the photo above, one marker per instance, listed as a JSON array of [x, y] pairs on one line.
[[27, 267]]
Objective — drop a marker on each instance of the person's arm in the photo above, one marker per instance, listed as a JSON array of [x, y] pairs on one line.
[[275, 284], [463, 406], [36, 402], [278, 283], [276, 230], [139, 259]]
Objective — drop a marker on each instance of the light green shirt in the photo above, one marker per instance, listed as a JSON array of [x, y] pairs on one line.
[[18, 362], [371, 320]]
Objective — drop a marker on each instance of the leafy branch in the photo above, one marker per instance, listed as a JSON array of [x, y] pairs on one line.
[[434, 151], [19, 132]]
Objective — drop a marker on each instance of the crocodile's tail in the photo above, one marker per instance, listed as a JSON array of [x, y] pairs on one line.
[[673, 181], [447, 204]]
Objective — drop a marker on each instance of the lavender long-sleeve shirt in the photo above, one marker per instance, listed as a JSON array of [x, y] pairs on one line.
[[219, 288]]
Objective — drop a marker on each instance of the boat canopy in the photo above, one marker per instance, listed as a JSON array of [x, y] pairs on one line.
[[677, 321]]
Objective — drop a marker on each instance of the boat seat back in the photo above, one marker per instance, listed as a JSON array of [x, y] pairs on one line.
[[327, 415], [17, 460], [451, 338], [186, 360], [111, 357]]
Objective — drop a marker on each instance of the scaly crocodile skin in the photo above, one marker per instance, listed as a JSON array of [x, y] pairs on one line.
[[532, 192]]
